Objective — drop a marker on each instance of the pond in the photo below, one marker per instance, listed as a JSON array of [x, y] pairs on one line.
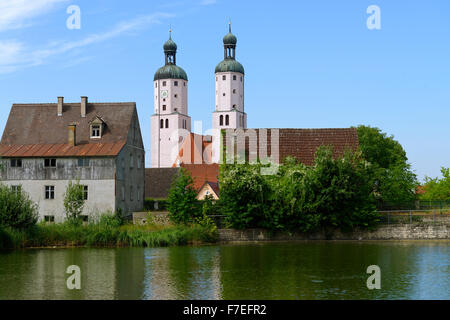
[[294, 270]]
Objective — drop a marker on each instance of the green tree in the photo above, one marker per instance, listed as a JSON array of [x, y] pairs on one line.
[[182, 202], [74, 202], [394, 182], [244, 195], [437, 189], [17, 210]]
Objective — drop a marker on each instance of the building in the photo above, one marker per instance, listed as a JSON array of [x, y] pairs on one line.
[[176, 146], [229, 112], [44, 146], [170, 122]]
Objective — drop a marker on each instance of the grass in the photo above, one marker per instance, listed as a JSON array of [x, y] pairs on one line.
[[104, 235]]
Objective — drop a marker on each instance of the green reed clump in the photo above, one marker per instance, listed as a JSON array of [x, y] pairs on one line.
[[104, 233]]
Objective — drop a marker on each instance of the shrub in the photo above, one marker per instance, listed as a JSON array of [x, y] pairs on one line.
[[74, 202], [16, 209], [182, 203], [333, 193]]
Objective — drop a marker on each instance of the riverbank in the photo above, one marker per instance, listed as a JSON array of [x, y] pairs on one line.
[[423, 231], [95, 235]]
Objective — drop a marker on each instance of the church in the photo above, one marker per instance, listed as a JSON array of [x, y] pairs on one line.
[[174, 145]]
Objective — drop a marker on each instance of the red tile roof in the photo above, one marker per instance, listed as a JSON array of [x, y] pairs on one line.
[[202, 173]]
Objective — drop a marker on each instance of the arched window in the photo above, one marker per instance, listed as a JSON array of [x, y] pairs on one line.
[[227, 120], [221, 120], [167, 123], [162, 124]]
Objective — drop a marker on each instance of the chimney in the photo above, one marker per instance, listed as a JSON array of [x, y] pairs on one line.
[[60, 106], [72, 134], [84, 102]]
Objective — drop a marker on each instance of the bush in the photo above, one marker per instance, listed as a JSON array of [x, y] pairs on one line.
[[16, 209], [182, 203], [74, 202], [333, 193]]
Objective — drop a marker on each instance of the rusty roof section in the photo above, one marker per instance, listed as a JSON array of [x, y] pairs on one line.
[[35, 130]]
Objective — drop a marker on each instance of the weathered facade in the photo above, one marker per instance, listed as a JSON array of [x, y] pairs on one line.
[[44, 146]]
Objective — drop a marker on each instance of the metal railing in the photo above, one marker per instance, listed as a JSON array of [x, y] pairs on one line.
[[435, 216]]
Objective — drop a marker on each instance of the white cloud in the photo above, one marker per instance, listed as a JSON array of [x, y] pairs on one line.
[[16, 55], [17, 13]]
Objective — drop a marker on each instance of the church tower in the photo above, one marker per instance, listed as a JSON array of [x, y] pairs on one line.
[[171, 109], [229, 112]]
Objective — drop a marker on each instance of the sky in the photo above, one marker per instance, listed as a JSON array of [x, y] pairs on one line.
[[308, 64]]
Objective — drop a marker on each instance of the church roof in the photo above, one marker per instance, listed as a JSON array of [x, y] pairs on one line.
[[230, 65], [170, 71]]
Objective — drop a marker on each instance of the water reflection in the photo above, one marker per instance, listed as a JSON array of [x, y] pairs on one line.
[[305, 270]]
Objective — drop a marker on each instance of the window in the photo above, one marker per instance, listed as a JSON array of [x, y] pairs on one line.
[[234, 91], [164, 100], [164, 83], [216, 79], [224, 77], [241, 79], [167, 123], [234, 77], [139, 161], [227, 120], [162, 124], [234, 106], [85, 192], [16, 189], [49, 218], [221, 120], [156, 84], [16, 163], [175, 95], [123, 193], [131, 193], [84, 218], [95, 131], [164, 107], [131, 161], [123, 163], [50, 163], [83, 162], [175, 83], [223, 94], [49, 192]]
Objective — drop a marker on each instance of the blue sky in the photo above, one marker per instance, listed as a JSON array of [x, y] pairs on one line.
[[309, 64]]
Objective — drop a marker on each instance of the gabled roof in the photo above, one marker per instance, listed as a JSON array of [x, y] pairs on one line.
[[35, 130], [202, 173], [213, 185]]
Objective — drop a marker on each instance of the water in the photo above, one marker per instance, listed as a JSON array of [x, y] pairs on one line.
[[301, 270]]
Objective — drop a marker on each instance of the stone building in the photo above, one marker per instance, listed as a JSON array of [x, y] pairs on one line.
[[44, 146]]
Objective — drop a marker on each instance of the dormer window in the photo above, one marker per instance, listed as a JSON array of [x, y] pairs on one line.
[[95, 131], [96, 127]]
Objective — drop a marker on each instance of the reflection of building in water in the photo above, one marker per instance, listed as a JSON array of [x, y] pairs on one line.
[[105, 274], [182, 273]]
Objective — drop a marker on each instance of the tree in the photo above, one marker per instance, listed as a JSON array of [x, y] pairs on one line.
[[182, 202], [74, 201], [17, 210], [393, 180], [437, 189]]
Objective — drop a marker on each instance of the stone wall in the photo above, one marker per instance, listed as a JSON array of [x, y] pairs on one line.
[[383, 232], [158, 218]]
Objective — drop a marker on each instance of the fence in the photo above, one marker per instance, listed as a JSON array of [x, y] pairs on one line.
[[437, 216], [415, 205]]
